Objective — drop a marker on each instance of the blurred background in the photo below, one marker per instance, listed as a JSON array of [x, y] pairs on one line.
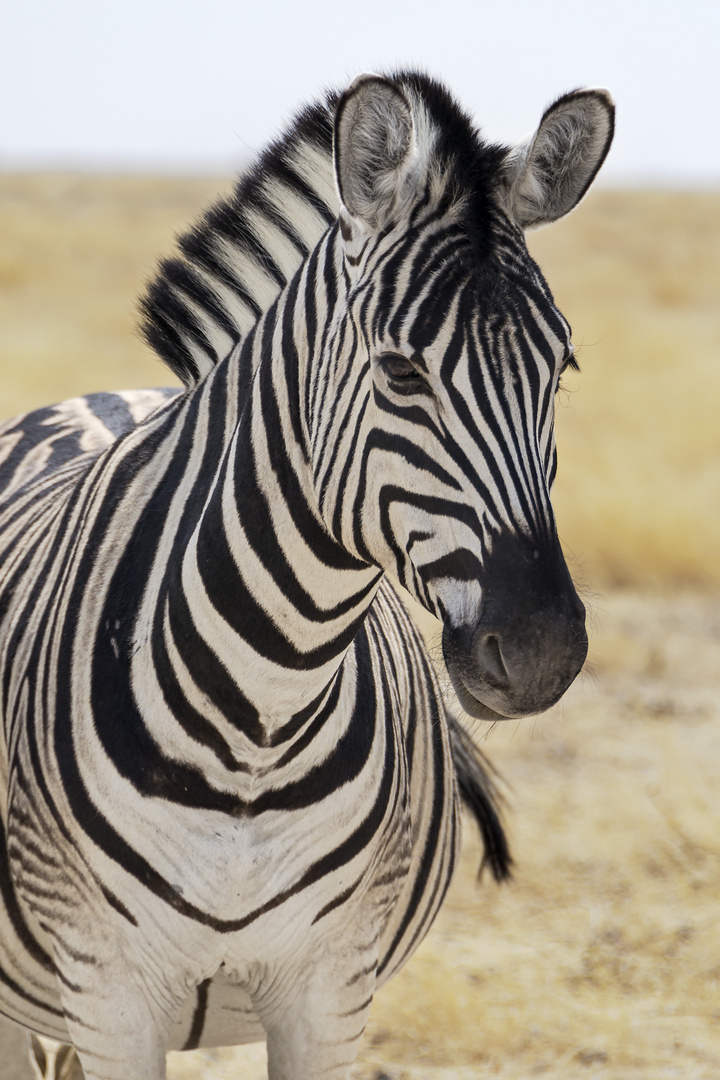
[[120, 123]]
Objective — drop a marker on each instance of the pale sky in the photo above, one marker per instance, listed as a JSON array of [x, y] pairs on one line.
[[196, 85]]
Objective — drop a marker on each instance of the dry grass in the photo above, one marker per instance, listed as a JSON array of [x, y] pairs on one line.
[[74, 252], [638, 496]]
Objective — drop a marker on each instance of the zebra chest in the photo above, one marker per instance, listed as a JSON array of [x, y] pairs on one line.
[[250, 900], [254, 875], [236, 869]]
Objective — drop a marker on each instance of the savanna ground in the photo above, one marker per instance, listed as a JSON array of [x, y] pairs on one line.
[[602, 957]]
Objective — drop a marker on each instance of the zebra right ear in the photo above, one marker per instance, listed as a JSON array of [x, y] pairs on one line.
[[375, 159]]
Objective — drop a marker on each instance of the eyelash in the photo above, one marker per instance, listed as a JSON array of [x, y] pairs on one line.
[[570, 361], [407, 379]]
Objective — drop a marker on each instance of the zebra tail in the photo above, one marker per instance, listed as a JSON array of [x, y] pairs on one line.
[[480, 795]]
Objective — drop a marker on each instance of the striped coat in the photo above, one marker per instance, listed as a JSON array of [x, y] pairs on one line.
[[231, 806]]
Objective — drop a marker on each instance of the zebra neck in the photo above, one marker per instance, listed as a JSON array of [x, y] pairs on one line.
[[271, 593]]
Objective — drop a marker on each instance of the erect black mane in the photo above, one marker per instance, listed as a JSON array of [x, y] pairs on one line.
[[244, 250], [471, 163], [183, 313]]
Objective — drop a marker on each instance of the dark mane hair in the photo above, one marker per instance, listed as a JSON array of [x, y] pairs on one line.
[[232, 264], [202, 301]]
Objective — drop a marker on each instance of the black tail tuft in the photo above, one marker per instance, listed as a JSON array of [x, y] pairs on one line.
[[479, 793]]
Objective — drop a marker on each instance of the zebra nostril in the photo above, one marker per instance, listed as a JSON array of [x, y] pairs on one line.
[[488, 661]]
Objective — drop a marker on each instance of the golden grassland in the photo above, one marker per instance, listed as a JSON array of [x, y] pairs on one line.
[[638, 495], [602, 957]]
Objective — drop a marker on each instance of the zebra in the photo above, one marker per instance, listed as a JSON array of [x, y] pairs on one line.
[[230, 773]]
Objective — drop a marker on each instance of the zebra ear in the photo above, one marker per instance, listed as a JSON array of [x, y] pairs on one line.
[[547, 174], [374, 150]]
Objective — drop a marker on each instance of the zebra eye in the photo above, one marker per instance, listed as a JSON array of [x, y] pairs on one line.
[[398, 367]]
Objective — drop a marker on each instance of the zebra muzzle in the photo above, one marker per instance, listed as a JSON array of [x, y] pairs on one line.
[[503, 671], [529, 641]]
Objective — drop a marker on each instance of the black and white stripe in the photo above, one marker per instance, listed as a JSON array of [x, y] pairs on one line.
[[231, 776]]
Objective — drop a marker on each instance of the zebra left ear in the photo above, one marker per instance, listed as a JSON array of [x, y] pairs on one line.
[[547, 174], [374, 150]]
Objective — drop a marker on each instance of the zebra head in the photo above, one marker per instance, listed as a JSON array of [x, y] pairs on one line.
[[444, 357]]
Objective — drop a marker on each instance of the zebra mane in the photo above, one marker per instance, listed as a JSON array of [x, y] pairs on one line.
[[232, 265], [234, 262]]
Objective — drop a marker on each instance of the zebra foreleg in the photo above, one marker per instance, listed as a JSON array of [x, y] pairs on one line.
[[116, 1031], [316, 1039], [315, 1029], [54, 1061]]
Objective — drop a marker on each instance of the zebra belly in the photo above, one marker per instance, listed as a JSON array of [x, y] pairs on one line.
[[218, 1013]]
